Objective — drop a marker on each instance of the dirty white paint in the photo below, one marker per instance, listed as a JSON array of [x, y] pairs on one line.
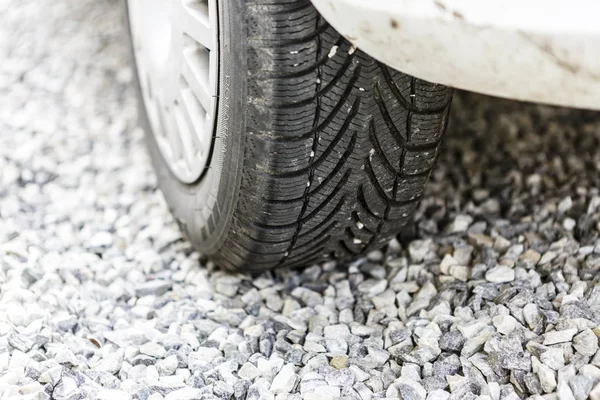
[[546, 51]]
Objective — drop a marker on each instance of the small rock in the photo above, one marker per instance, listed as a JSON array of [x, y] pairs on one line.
[[595, 393], [500, 274], [586, 343], [248, 371], [565, 205], [452, 341], [153, 349], [186, 393], [505, 324], [168, 366], [581, 386], [339, 331], [461, 223], [546, 375], [111, 363], [342, 377], [410, 389], [339, 362], [65, 388], [100, 239], [20, 342], [66, 358], [51, 375], [555, 337], [285, 380], [112, 394], [553, 357], [156, 288]]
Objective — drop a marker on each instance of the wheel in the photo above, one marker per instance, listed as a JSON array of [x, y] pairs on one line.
[[275, 141]]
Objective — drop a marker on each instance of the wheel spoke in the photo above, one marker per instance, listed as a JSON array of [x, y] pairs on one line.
[[195, 70], [195, 22], [189, 148], [177, 59], [173, 136], [195, 117]]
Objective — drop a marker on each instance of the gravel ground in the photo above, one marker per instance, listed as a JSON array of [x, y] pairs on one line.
[[100, 297]]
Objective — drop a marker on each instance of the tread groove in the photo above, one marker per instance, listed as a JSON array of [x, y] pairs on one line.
[[315, 147]]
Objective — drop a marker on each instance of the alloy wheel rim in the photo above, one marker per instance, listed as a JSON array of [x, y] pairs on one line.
[[176, 51]]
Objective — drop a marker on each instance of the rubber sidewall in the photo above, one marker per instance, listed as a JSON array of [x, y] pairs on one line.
[[204, 209]]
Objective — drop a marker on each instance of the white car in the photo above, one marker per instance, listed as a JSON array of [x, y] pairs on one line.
[[288, 132]]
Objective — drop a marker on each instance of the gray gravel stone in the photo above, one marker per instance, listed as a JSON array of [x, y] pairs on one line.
[[581, 386], [452, 341], [342, 377]]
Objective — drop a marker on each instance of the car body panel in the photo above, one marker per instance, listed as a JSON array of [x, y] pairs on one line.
[[547, 51]]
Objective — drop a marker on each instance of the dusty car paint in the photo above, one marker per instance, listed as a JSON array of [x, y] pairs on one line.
[[546, 51]]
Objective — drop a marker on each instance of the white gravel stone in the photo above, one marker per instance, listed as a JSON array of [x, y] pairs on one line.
[[112, 363], [112, 394], [155, 287], [51, 375], [336, 331], [65, 388], [324, 393], [438, 394], [18, 360], [555, 337], [186, 393], [586, 343], [505, 324], [168, 366], [500, 274], [553, 358], [545, 374], [595, 393], [153, 349], [248, 371], [285, 380]]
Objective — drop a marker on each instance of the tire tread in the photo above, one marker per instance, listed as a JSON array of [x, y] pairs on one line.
[[338, 145]]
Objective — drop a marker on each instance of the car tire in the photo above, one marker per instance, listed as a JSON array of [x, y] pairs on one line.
[[319, 151]]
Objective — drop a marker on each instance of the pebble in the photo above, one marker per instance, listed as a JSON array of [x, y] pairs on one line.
[[586, 343], [505, 324], [342, 377], [339, 362], [545, 374], [152, 288], [153, 350], [581, 386], [65, 388], [51, 375], [336, 332], [248, 371], [285, 380], [186, 393], [500, 274], [553, 358], [112, 394], [168, 366], [555, 337]]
